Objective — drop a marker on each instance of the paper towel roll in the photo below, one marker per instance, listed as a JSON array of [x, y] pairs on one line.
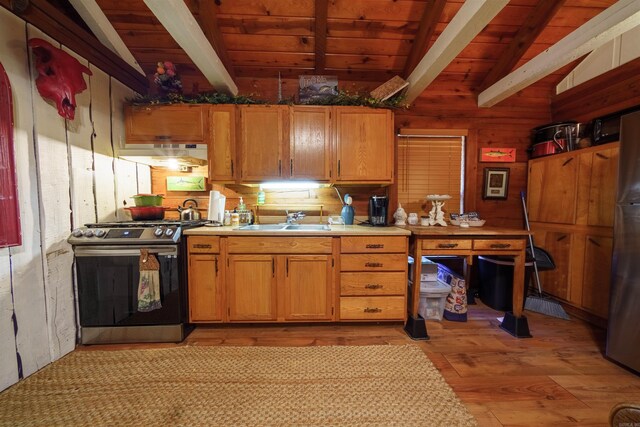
[[216, 206]]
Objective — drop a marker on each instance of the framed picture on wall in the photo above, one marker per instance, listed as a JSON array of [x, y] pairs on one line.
[[496, 183]]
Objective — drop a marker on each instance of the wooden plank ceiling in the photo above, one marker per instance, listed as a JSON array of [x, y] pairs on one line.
[[363, 42]]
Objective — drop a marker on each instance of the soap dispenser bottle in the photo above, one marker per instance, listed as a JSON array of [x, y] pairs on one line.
[[348, 212]]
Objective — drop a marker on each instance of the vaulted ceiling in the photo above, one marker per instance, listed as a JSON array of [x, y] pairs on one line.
[[363, 42]]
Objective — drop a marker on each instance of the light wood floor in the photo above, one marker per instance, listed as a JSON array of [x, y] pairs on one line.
[[557, 378]]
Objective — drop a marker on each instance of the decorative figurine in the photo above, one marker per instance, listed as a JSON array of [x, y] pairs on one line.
[[400, 216], [348, 212], [436, 215]]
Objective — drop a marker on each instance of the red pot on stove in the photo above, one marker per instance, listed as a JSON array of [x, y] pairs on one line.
[[146, 213]]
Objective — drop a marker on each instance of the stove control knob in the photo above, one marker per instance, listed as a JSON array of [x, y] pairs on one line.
[[169, 232], [88, 233], [158, 232], [100, 233], [77, 233]]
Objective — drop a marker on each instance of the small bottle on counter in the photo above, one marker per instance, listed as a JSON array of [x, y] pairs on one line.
[[241, 205], [235, 219], [227, 218], [261, 196]]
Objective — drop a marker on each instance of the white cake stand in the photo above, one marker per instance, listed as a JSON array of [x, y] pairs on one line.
[[436, 215]]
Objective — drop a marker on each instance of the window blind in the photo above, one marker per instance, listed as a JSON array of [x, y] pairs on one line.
[[430, 165]]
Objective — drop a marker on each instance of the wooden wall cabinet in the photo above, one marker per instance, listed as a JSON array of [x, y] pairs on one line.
[[571, 200], [310, 143], [222, 143], [264, 138], [206, 279], [364, 150], [167, 124]]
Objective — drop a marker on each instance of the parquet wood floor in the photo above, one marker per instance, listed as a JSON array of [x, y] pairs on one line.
[[557, 378]]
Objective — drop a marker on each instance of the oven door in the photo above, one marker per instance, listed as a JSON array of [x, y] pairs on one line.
[[108, 278]]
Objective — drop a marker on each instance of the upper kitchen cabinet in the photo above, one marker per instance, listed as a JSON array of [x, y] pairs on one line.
[[310, 146], [363, 145], [167, 124], [222, 143], [263, 139], [552, 188]]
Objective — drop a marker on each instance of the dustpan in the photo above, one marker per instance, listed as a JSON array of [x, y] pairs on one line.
[[540, 303]]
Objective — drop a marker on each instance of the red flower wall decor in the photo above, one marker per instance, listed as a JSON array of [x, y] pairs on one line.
[[60, 76], [9, 211]]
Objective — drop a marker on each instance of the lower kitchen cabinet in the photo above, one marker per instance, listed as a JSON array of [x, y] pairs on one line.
[[297, 279], [373, 276], [308, 287], [597, 274], [206, 279], [252, 287]]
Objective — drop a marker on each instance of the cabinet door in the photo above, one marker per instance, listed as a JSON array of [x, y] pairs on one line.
[[166, 124], [552, 189], [602, 187], [558, 245], [205, 288], [597, 274], [310, 147], [252, 287], [308, 290], [364, 145], [222, 143], [262, 135]]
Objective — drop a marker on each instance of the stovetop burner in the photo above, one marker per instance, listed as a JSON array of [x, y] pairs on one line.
[[132, 232]]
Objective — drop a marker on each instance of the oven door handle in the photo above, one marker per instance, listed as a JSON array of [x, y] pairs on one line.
[[84, 251]]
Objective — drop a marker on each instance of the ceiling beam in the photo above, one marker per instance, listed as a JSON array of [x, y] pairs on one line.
[[95, 18], [427, 27], [322, 10], [178, 20], [533, 25], [208, 20], [472, 17], [617, 19], [60, 27]]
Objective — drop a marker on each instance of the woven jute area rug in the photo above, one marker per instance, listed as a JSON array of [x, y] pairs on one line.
[[237, 386]]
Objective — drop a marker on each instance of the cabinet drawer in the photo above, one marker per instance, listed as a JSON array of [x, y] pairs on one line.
[[372, 244], [499, 245], [372, 308], [446, 244], [373, 262], [393, 283], [203, 244], [279, 245]]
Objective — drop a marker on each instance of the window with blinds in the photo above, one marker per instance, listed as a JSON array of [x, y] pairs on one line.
[[430, 165]]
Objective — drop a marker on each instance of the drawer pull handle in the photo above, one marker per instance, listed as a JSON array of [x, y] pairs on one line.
[[202, 245], [374, 246], [500, 245], [373, 264], [163, 137], [568, 161], [372, 310], [373, 286], [447, 245], [595, 242]]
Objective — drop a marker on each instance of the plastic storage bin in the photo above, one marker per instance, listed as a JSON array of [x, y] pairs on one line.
[[432, 299], [428, 271]]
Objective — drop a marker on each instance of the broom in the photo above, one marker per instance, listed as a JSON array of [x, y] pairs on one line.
[[539, 303]]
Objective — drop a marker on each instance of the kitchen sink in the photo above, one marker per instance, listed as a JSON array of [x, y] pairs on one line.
[[286, 227], [307, 227]]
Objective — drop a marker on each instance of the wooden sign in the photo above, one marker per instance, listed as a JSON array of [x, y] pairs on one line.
[[502, 155], [186, 183], [9, 210]]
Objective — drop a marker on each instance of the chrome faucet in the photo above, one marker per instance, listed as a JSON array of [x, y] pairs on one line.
[[293, 217]]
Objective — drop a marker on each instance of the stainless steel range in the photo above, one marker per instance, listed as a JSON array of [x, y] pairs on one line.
[[107, 266]]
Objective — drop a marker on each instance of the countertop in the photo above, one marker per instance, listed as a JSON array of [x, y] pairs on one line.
[[456, 231], [336, 230]]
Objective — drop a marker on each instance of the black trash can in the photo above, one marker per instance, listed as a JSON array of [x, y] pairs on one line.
[[495, 274]]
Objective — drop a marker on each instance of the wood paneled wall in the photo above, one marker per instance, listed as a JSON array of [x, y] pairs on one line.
[[66, 176], [612, 91]]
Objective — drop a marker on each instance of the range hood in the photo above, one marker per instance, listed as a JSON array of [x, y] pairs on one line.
[[170, 156]]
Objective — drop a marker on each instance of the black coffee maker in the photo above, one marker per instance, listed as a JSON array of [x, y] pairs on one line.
[[378, 207]]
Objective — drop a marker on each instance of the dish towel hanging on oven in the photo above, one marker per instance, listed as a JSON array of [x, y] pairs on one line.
[[149, 285]]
